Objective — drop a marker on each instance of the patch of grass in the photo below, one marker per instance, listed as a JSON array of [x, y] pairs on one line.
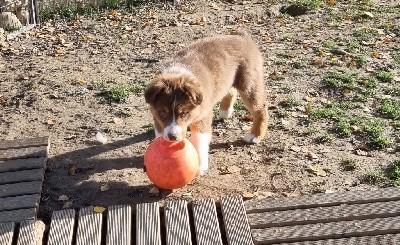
[[70, 11], [330, 111], [290, 102], [289, 37], [396, 58], [389, 108], [343, 127], [385, 76], [359, 61], [301, 63], [373, 130], [394, 91], [349, 164], [393, 173], [375, 178], [309, 4], [389, 176], [330, 44], [354, 47], [325, 138], [281, 113], [239, 106], [340, 80], [365, 34], [119, 93], [369, 82]]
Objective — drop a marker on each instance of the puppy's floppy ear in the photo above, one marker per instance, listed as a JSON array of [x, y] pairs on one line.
[[194, 92], [153, 90]]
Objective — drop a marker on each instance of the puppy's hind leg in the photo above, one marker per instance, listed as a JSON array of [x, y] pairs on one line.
[[252, 92], [201, 138], [226, 106]]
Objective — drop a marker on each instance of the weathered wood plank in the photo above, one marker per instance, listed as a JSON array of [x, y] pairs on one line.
[[333, 230], [22, 176], [206, 222], [236, 225], [89, 227], [177, 224], [31, 232], [31, 152], [148, 224], [22, 164], [6, 233], [18, 215], [61, 227], [119, 225], [325, 214], [24, 143], [19, 202], [319, 200], [390, 239], [22, 188]]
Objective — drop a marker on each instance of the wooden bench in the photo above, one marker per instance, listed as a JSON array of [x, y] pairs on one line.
[[22, 164]]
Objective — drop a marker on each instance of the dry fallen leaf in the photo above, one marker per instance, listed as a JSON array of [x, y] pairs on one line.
[[317, 171], [98, 209], [72, 169], [51, 122], [59, 52], [104, 187]]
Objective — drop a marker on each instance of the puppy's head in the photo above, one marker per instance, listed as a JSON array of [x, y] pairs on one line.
[[174, 101]]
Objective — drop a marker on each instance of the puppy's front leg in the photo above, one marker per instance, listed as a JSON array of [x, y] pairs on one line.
[[201, 142], [201, 138]]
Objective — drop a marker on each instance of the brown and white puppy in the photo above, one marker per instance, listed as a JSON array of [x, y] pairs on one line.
[[206, 72]]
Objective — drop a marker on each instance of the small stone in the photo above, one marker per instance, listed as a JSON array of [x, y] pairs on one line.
[[312, 155], [247, 195], [295, 148], [67, 205], [154, 190], [63, 198], [233, 169]]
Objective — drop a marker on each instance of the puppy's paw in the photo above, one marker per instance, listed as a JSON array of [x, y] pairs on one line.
[[251, 138], [223, 114], [203, 166]]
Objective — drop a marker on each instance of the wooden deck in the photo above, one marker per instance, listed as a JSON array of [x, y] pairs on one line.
[[362, 217], [22, 164], [357, 217]]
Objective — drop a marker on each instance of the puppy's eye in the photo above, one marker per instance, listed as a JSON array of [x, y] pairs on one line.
[[184, 114], [163, 114]]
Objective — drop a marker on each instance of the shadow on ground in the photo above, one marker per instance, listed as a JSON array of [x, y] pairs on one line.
[[81, 191]]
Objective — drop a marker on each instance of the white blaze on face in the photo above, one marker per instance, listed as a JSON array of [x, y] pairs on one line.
[[173, 130]]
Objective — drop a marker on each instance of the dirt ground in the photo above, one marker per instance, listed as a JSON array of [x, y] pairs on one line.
[[50, 86]]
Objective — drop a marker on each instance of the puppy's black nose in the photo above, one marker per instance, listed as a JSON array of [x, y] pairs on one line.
[[172, 136]]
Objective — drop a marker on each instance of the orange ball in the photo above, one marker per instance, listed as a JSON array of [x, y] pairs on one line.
[[171, 165]]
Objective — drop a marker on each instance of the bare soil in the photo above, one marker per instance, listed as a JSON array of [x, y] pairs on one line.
[[49, 86]]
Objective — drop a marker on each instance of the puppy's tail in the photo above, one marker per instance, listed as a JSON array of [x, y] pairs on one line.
[[241, 32]]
